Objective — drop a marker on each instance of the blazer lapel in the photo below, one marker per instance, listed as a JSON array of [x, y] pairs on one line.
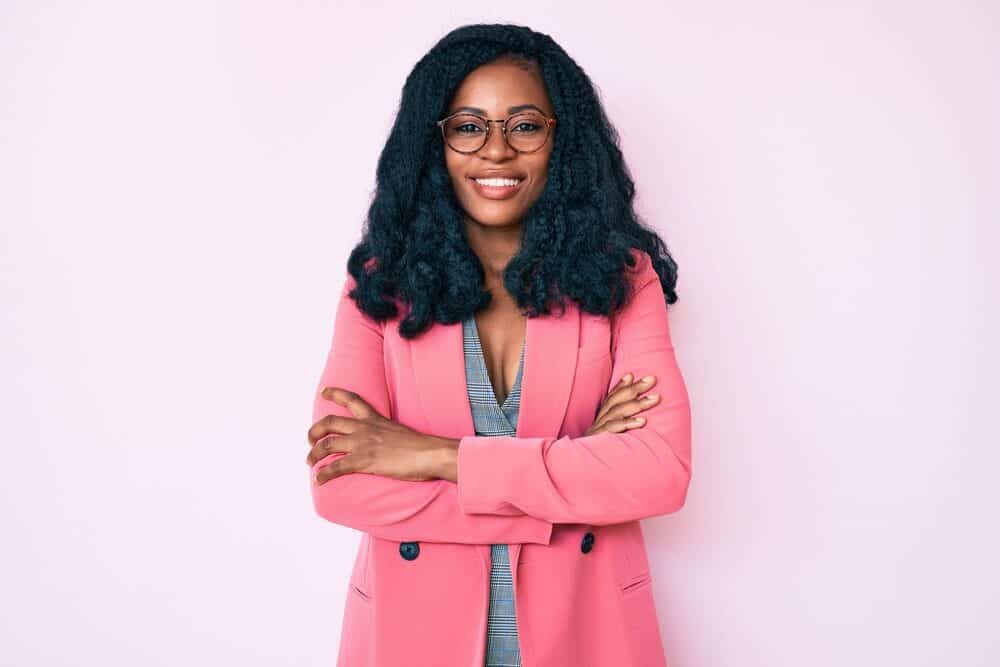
[[551, 344], [549, 367], [438, 360]]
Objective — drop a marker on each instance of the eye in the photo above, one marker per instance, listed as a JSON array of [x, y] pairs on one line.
[[467, 128], [531, 127]]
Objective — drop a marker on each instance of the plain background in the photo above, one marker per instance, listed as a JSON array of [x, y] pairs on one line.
[[182, 183]]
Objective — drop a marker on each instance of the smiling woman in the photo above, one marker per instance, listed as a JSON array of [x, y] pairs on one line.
[[491, 448], [509, 166]]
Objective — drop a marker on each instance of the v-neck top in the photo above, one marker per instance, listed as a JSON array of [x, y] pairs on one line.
[[493, 419], [490, 417]]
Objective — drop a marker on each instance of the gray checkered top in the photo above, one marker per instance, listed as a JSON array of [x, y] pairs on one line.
[[493, 419]]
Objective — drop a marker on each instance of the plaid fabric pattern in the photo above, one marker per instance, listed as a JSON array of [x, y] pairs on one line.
[[491, 419]]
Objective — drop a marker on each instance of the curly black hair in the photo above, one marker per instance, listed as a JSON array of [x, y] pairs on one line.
[[575, 239]]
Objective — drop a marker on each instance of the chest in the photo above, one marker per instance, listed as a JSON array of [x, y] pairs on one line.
[[498, 341]]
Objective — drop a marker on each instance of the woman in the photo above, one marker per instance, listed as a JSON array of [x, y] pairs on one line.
[[488, 445]]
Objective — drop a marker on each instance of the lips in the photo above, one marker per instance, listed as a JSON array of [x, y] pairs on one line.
[[497, 192], [498, 173]]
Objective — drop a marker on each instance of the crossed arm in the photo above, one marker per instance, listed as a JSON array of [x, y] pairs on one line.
[[513, 489]]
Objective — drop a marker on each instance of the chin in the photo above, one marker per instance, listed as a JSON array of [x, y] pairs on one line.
[[487, 212], [495, 218]]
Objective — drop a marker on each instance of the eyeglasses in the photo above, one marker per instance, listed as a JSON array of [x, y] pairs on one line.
[[525, 132]]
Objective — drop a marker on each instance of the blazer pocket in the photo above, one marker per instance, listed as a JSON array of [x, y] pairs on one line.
[[637, 583], [360, 578], [361, 593]]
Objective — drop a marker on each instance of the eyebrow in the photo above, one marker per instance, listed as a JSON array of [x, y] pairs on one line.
[[510, 110]]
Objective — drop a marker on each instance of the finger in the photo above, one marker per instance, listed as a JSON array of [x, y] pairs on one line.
[[328, 446], [336, 468], [331, 424], [634, 406], [619, 392], [643, 384], [630, 390], [358, 406], [625, 408], [625, 379], [620, 425], [626, 393]]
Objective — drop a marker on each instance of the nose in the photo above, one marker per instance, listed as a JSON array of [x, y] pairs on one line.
[[496, 146]]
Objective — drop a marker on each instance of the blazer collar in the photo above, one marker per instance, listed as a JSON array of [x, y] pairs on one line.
[[551, 343]]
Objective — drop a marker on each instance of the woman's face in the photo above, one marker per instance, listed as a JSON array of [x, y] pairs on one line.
[[491, 91]]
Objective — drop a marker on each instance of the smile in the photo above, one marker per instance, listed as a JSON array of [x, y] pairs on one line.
[[497, 188]]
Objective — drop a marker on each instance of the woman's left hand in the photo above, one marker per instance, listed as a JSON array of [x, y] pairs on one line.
[[373, 443]]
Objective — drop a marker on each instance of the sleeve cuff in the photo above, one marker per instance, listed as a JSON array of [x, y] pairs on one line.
[[490, 469], [486, 466]]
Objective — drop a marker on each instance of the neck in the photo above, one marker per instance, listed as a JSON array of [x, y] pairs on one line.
[[494, 246]]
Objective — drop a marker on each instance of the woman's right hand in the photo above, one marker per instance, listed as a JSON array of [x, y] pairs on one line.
[[616, 412]]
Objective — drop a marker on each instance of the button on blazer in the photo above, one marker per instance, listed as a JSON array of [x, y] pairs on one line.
[[568, 505]]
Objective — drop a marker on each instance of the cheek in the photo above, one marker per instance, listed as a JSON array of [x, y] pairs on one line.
[[541, 176], [456, 164], [543, 163], [453, 168]]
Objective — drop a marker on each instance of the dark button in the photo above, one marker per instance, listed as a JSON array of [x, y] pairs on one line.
[[588, 543], [409, 550]]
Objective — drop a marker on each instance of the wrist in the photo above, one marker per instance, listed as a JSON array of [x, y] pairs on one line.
[[445, 458]]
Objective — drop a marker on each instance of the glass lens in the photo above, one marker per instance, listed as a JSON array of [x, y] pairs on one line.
[[527, 131], [465, 132]]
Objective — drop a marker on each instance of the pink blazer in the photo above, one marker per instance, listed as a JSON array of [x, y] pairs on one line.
[[568, 505]]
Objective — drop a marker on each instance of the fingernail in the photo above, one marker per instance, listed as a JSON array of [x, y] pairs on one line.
[[627, 377], [648, 378], [651, 397]]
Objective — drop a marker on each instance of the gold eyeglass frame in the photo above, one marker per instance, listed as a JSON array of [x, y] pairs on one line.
[[549, 122]]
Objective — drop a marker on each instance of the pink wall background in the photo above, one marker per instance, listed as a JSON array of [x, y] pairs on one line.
[[182, 183]]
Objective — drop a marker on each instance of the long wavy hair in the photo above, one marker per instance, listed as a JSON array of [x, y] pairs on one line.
[[575, 239]]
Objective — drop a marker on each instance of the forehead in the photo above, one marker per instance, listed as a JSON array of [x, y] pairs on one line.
[[496, 88]]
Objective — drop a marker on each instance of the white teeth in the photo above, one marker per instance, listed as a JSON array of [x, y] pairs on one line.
[[498, 182]]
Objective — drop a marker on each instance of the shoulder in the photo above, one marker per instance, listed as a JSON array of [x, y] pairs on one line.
[[642, 272], [350, 283], [642, 277]]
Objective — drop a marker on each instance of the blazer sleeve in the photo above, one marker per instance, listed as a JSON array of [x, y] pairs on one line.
[[604, 478], [382, 506]]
